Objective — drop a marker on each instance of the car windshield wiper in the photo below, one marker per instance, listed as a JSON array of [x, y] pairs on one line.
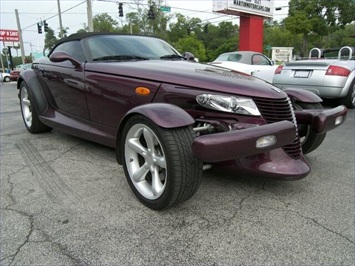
[[120, 58], [171, 56]]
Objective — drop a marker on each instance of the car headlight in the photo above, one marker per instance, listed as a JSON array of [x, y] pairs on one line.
[[230, 104]]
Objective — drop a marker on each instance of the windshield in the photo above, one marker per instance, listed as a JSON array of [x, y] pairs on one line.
[[229, 57], [109, 47]]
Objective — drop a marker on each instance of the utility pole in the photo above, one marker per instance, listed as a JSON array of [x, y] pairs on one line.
[[89, 13], [2, 63], [60, 21], [21, 40]]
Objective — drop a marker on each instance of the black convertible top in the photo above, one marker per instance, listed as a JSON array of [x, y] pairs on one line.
[[83, 35]]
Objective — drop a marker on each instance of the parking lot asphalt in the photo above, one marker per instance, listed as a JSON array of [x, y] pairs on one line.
[[65, 201]]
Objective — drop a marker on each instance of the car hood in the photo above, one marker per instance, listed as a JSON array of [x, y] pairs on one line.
[[189, 74]]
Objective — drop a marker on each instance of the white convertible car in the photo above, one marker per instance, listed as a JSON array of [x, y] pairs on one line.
[[329, 73], [249, 62]]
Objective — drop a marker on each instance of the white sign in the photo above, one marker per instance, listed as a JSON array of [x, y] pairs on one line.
[[11, 44], [283, 54], [263, 8]]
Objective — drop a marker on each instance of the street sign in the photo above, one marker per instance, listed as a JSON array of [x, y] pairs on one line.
[[9, 35], [165, 8]]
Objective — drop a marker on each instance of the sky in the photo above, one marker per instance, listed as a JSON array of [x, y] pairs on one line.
[[74, 15]]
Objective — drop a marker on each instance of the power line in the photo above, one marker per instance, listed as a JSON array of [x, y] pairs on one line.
[[56, 14]]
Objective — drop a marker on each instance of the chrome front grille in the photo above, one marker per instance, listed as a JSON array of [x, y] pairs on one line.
[[278, 110]]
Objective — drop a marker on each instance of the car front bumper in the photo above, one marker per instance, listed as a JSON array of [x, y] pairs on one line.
[[241, 143], [235, 144], [322, 121]]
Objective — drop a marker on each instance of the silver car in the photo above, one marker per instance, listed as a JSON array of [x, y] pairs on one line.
[[249, 62], [329, 73]]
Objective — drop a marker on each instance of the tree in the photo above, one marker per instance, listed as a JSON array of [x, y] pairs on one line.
[[179, 29], [316, 18], [276, 35], [193, 45], [64, 32], [105, 23], [139, 22], [220, 39], [340, 37], [50, 40]]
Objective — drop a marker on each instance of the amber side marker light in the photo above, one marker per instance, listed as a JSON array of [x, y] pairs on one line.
[[142, 91]]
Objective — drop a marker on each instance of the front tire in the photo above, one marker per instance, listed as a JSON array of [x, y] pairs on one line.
[[159, 165], [29, 113], [309, 139], [7, 79]]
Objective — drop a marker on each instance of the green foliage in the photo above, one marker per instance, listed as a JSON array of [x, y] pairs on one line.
[[138, 22], [105, 23], [221, 39], [317, 18], [179, 29], [276, 35], [193, 45], [50, 39], [341, 37]]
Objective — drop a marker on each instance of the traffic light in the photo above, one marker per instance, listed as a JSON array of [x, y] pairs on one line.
[[39, 28], [188, 30], [151, 14], [45, 26], [120, 9]]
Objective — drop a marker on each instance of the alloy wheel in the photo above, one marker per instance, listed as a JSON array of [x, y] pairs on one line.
[[146, 161]]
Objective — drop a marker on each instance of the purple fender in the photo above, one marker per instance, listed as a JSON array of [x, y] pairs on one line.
[[35, 90], [302, 95], [162, 114]]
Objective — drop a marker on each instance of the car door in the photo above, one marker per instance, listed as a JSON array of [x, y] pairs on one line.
[[66, 83], [263, 67]]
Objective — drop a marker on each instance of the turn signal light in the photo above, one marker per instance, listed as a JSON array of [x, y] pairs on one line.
[[142, 91]]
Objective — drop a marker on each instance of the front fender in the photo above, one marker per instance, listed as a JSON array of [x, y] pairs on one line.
[[302, 96], [35, 89], [162, 114]]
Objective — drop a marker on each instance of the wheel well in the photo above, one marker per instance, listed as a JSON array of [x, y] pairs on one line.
[[162, 114], [40, 101]]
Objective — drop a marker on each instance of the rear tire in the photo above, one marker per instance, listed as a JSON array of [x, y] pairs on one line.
[[7, 79], [29, 113], [159, 165], [309, 139], [349, 99]]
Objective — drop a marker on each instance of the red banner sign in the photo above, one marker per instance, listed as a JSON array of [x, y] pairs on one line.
[[9, 35]]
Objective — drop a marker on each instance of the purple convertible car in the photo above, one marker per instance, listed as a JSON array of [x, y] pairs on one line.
[[168, 117]]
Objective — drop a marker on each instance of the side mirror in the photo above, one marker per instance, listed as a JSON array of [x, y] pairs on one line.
[[189, 56], [61, 57]]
